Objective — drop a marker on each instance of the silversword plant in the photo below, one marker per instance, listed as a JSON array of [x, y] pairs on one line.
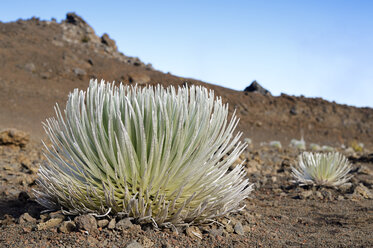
[[158, 155], [327, 169], [298, 144]]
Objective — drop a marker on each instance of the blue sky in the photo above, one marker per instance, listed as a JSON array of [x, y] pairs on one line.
[[311, 48]]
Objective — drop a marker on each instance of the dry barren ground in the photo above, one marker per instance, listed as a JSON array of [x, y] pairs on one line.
[[277, 214]]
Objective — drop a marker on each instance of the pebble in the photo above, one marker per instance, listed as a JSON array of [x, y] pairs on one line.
[[44, 217], [216, 232], [306, 194], [57, 214], [111, 224], [319, 195], [363, 191], [67, 226], [134, 244], [30, 67], [8, 219], [346, 188], [102, 223], [49, 224], [238, 228], [14, 137], [229, 228], [327, 195], [365, 170], [79, 72], [340, 198], [26, 218], [87, 223], [124, 224]]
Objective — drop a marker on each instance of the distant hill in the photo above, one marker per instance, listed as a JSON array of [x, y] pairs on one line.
[[42, 61]]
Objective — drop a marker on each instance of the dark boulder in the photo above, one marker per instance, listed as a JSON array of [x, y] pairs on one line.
[[74, 19], [255, 87]]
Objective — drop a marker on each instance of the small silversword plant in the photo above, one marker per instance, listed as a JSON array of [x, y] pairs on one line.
[[154, 154], [324, 169]]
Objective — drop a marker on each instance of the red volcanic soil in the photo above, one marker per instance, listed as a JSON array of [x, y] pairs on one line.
[[42, 61]]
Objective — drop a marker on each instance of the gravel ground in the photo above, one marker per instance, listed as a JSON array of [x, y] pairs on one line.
[[277, 214]]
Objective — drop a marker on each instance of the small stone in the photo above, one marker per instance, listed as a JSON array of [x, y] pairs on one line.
[[274, 179], [8, 219], [306, 194], [229, 228], [346, 188], [193, 232], [49, 224], [238, 228], [166, 245], [216, 232], [26, 218], [67, 226], [45, 75], [14, 137], [319, 195], [365, 170], [258, 123], [79, 72], [327, 195], [57, 214], [102, 223], [87, 223], [363, 191], [124, 224], [134, 244], [111, 224], [44, 217], [30, 67]]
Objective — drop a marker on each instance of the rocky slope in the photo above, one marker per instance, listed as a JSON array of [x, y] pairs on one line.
[[42, 61]]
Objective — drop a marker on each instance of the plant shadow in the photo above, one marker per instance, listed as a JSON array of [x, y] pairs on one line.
[[17, 207]]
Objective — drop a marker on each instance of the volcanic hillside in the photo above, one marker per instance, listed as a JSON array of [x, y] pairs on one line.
[[42, 61]]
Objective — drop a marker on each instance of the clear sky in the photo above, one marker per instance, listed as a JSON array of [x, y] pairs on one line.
[[311, 48]]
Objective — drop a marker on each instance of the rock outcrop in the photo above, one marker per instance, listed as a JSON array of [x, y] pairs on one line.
[[256, 87]]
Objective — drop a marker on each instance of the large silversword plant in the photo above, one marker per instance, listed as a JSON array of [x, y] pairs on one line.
[[158, 155]]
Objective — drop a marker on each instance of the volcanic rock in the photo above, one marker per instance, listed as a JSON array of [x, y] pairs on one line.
[[256, 87], [124, 224], [67, 226], [238, 228], [26, 217], [105, 39], [49, 224], [14, 137], [87, 223]]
